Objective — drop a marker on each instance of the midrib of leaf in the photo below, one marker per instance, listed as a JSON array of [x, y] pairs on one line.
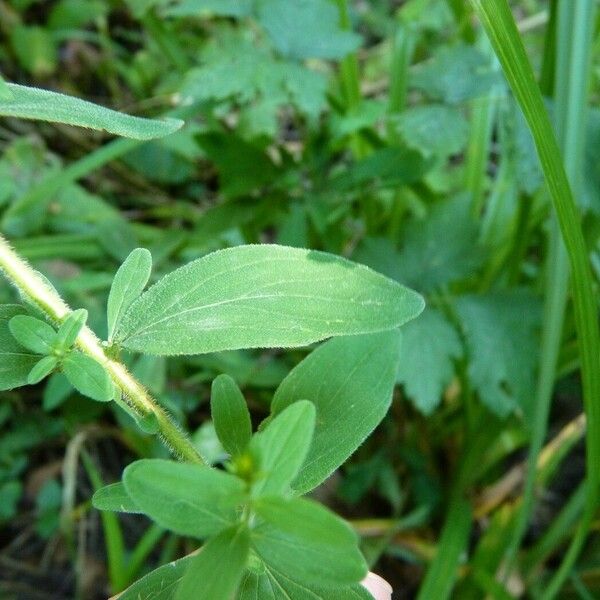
[[500, 27]]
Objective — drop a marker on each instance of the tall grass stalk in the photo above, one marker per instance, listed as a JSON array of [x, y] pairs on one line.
[[500, 26], [573, 21]]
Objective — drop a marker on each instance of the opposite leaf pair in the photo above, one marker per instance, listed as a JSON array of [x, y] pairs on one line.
[[56, 347]]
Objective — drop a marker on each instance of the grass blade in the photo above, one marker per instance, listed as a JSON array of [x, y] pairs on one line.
[[453, 541], [500, 27], [572, 67]]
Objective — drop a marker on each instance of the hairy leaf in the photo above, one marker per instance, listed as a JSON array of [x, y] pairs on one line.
[[188, 499], [43, 105], [282, 447], [350, 381], [159, 584], [217, 570], [307, 542], [88, 377], [15, 363], [267, 583], [42, 369], [230, 415], [263, 296], [33, 334], [69, 330], [114, 497], [129, 282]]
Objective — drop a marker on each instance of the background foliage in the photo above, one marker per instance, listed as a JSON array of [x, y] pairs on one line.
[[381, 131]]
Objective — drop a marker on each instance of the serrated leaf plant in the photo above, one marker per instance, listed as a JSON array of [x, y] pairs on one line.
[[258, 536]]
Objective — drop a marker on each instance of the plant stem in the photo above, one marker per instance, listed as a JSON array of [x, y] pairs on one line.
[[36, 290]]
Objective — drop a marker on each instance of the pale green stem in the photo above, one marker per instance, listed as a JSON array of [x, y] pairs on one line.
[[36, 290]]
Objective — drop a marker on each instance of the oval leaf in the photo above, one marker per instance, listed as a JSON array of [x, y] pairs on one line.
[[42, 369], [230, 415], [282, 447], [129, 282], [188, 499], [350, 381], [15, 363], [88, 377], [307, 542], [114, 497], [43, 105], [263, 296], [159, 584], [216, 571], [267, 583], [33, 334], [69, 330]]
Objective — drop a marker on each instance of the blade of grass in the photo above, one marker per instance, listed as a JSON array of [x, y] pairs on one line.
[[441, 575], [142, 550], [113, 535], [462, 16], [549, 57], [500, 27], [574, 39], [402, 53]]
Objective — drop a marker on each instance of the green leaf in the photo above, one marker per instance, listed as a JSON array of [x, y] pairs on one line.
[[306, 29], [263, 84], [386, 168], [34, 334], [433, 129], [427, 366], [307, 542], [230, 415], [221, 8], [217, 570], [114, 497], [43, 105], [456, 74], [243, 167], [501, 332], [350, 381], [129, 282], [35, 49], [42, 369], [159, 584], [56, 391], [268, 583], [282, 446], [188, 499], [15, 363], [263, 296], [88, 377], [70, 328], [5, 93], [423, 262]]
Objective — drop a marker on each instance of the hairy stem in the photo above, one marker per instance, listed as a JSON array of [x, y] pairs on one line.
[[36, 290]]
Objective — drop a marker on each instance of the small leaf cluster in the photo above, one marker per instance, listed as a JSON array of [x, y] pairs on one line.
[[57, 351]]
